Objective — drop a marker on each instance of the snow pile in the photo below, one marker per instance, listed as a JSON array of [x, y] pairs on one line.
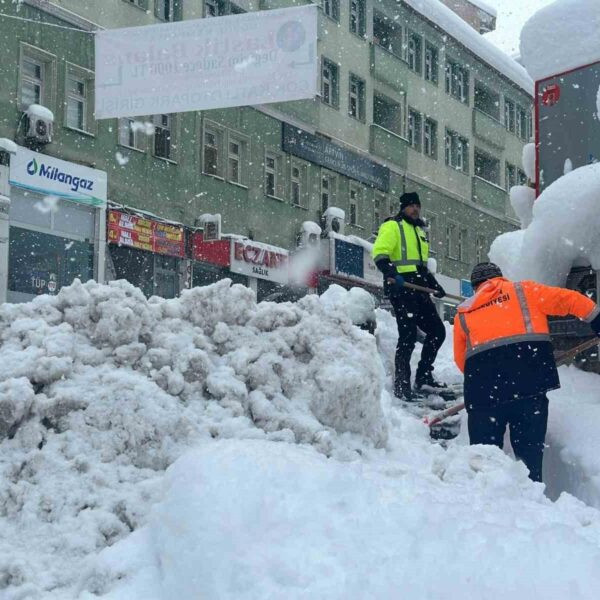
[[572, 457], [564, 231], [528, 159], [8, 145], [101, 390], [561, 37], [254, 520], [522, 198]]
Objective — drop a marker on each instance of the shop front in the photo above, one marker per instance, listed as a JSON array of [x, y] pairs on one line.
[[56, 224], [262, 267], [147, 252]]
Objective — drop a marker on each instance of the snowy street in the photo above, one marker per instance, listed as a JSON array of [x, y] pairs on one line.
[[281, 480], [250, 251]]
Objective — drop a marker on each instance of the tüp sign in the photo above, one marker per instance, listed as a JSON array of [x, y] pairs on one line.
[[260, 260]]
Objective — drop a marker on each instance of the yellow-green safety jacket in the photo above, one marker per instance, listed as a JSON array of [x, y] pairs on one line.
[[404, 245]]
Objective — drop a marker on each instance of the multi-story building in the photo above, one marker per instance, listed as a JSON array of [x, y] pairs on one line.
[[406, 88]]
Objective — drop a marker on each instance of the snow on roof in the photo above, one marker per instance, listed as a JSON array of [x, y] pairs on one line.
[[544, 50], [8, 145], [450, 22], [484, 6], [38, 110]]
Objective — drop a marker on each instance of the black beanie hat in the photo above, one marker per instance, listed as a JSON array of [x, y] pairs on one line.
[[409, 198], [484, 271]]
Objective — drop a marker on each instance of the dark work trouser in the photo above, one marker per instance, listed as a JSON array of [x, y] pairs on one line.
[[412, 310], [527, 419]]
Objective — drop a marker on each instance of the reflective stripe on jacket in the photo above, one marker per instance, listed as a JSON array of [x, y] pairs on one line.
[[404, 245], [502, 313]]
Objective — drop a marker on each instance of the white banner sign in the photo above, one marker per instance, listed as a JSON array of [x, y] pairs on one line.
[[54, 177], [238, 60], [260, 260]]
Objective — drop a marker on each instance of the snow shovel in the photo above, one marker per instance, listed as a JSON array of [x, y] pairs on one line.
[[562, 358], [420, 288]]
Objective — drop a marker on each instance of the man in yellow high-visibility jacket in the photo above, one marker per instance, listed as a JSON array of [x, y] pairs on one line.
[[400, 252]]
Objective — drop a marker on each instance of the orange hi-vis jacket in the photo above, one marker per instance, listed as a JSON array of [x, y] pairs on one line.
[[503, 312]]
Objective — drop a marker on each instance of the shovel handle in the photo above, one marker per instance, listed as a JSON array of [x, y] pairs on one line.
[[561, 359], [420, 288]]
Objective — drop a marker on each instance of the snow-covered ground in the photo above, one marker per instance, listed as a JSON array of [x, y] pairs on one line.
[[210, 447]]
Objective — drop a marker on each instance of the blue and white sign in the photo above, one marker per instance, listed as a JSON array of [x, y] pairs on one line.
[[54, 177], [466, 289]]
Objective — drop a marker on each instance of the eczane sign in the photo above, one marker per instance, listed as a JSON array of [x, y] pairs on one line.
[[260, 260], [238, 60]]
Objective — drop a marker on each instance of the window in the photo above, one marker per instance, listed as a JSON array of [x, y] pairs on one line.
[[457, 151], [415, 49], [353, 213], [356, 99], [430, 138], [457, 81], [388, 114], [212, 154], [451, 241], [165, 9], [162, 136], [273, 175], [330, 83], [328, 185], [211, 8], [379, 211], [462, 245], [487, 167], [76, 103], [480, 251], [298, 187], [131, 133], [521, 177], [521, 123], [487, 101], [509, 115], [140, 3], [331, 8], [358, 18], [510, 176], [529, 125], [387, 34], [32, 81], [431, 228], [414, 129], [431, 63], [237, 159]]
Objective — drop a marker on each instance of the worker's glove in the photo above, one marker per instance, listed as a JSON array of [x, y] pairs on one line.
[[395, 283], [440, 292]]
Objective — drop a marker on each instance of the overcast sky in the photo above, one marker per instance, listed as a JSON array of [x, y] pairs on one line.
[[512, 15]]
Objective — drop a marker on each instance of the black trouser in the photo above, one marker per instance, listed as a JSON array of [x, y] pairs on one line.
[[412, 310], [527, 419]]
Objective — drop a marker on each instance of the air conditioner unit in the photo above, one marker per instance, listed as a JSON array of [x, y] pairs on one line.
[[309, 235], [211, 224], [39, 123], [334, 220]]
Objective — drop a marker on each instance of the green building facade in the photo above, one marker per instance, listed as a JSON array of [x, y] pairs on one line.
[[395, 88]]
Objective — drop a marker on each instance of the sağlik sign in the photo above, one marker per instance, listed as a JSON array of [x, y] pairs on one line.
[[260, 260], [51, 176]]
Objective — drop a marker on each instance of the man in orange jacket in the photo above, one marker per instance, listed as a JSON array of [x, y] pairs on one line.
[[502, 344]]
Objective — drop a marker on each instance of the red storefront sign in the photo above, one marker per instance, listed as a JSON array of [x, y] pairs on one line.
[[145, 234], [215, 252]]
